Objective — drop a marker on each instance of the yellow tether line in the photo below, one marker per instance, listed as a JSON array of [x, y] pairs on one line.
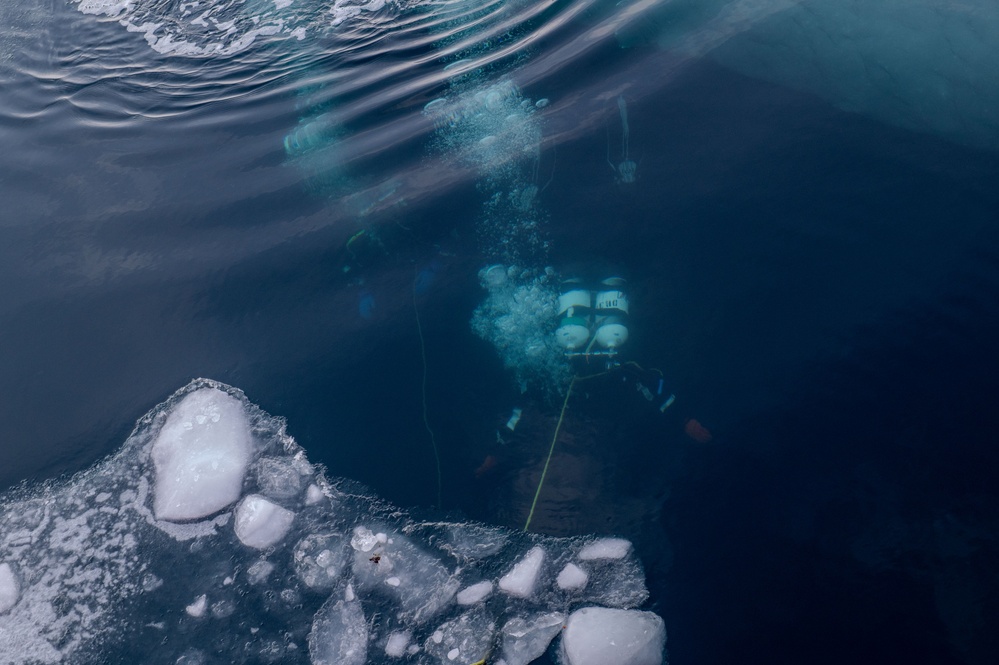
[[551, 450], [426, 423]]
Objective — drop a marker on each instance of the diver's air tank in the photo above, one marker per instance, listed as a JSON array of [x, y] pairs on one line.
[[574, 312], [611, 305]]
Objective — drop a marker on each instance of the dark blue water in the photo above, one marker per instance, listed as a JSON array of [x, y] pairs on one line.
[[819, 287]]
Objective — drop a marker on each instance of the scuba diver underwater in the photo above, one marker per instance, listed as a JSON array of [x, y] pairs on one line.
[[616, 405]]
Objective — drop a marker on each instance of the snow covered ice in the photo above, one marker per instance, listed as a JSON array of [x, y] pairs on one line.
[[140, 559]]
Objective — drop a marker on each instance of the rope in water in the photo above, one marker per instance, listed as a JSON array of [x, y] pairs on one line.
[[426, 422], [544, 472]]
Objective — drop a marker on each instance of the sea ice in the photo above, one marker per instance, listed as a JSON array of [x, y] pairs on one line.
[[320, 560], [601, 636], [201, 455], [527, 638], [339, 634], [198, 607], [463, 640], [10, 588], [474, 593], [260, 523], [416, 582], [572, 577], [278, 478], [96, 573], [605, 548], [521, 579], [397, 643]]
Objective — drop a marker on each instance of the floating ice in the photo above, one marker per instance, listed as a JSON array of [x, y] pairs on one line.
[[572, 577], [521, 579], [320, 560], [601, 636], [99, 579], [201, 455], [10, 588], [605, 548], [278, 478], [527, 638], [339, 634], [397, 643], [261, 523], [475, 593], [417, 583], [198, 607], [463, 640]]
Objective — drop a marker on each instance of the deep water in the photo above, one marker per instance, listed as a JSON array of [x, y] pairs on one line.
[[820, 289]]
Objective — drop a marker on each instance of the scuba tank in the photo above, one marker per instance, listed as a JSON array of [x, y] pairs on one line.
[[574, 317], [611, 309]]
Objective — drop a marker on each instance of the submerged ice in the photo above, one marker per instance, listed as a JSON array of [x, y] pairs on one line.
[[209, 537]]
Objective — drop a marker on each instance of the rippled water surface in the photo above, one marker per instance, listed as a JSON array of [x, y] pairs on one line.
[[298, 198]]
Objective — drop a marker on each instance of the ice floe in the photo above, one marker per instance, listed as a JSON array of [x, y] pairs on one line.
[[261, 568]]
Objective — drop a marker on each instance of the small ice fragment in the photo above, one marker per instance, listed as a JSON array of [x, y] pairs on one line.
[[393, 581], [605, 548], [521, 579], [474, 593], [452, 654], [198, 607], [363, 539], [313, 495], [413, 648], [437, 636], [259, 571], [541, 103], [572, 577], [261, 523], [397, 643], [10, 588], [381, 538], [348, 593], [525, 639]]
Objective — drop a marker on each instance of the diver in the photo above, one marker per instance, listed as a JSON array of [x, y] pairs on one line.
[[592, 327]]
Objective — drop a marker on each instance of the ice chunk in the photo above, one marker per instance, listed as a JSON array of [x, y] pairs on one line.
[[259, 571], [572, 577], [261, 523], [10, 588], [474, 593], [521, 579], [339, 634], [278, 478], [614, 583], [320, 559], [313, 495], [605, 548], [527, 638], [364, 539], [463, 640], [398, 641], [198, 607], [602, 636], [416, 582], [201, 455]]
